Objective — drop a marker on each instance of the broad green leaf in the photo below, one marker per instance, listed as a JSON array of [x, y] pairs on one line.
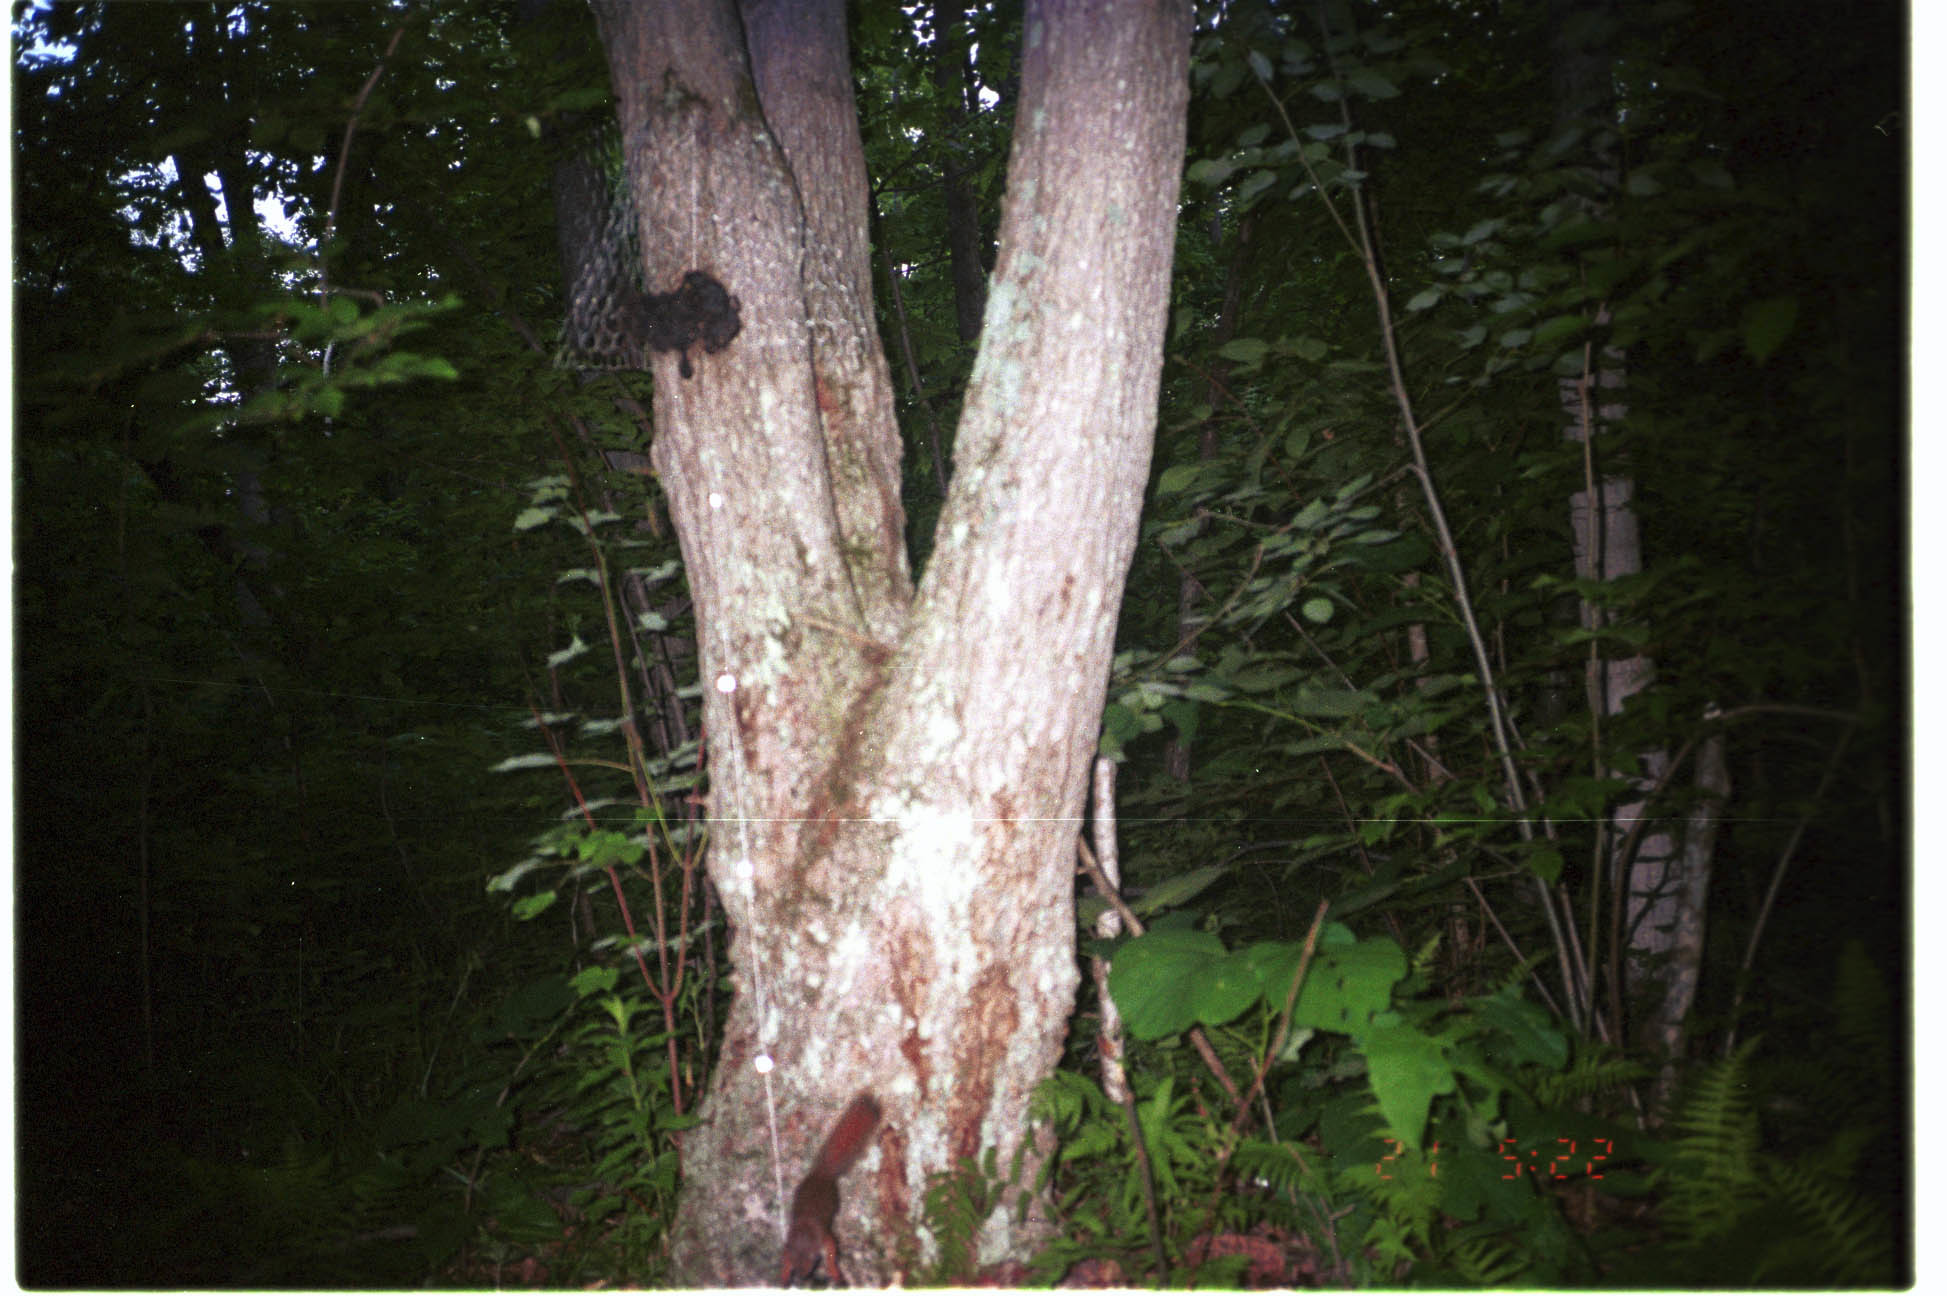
[[1349, 982], [1260, 679], [1533, 1036], [1406, 1069], [1176, 890], [1182, 717], [1334, 704], [1766, 324], [1545, 862], [1563, 327], [1258, 182], [1227, 988], [1210, 171], [1372, 85], [528, 760], [533, 906], [1247, 350], [1119, 723], [1156, 980], [1177, 478], [594, 980]]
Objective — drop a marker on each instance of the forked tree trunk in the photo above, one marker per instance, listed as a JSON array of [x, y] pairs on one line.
[[896, 777]]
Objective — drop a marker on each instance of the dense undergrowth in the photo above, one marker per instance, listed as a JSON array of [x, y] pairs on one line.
[[1376, 1027]]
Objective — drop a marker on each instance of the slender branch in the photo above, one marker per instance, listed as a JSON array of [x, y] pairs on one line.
[[1198, 1040], [1271, 1054], [345, 150], [1449, 548], [1778, 880], [1284, 1016], [338, 181], [1115, 1080], [1541, 987]]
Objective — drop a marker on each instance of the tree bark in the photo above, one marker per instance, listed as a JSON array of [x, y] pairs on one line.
[[1661, 890], [896, 776]]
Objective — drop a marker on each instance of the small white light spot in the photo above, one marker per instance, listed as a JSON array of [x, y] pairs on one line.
[[746, 869], [764, 1064], [716, 499], [726, 683]]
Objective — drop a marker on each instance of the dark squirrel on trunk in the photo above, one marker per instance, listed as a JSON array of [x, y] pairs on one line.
[[814, 1207], [699, 310]]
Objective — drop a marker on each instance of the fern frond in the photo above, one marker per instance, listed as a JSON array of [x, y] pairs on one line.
[[1840, 1156], [1861, 1068], [1281, 1167], [1847, 1231], [1861, 1008], [1489, 1262], [1714, 1177], [1590, 1074], [956, 1204], [1066, 1099], [1408, 1199]]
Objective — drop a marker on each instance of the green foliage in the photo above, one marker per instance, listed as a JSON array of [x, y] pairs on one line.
[[1737, 1213], [1591, 1073], [1349, 757], [1847, 1243], [301, 1217], [621, 1104], [1717, 1173], [1438, 1139], [1167, 981], [256, 604], [273, 625], [1100, 1178], [958, 1203], [1484, 1262], [644, 1018], [1404, 1103]]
